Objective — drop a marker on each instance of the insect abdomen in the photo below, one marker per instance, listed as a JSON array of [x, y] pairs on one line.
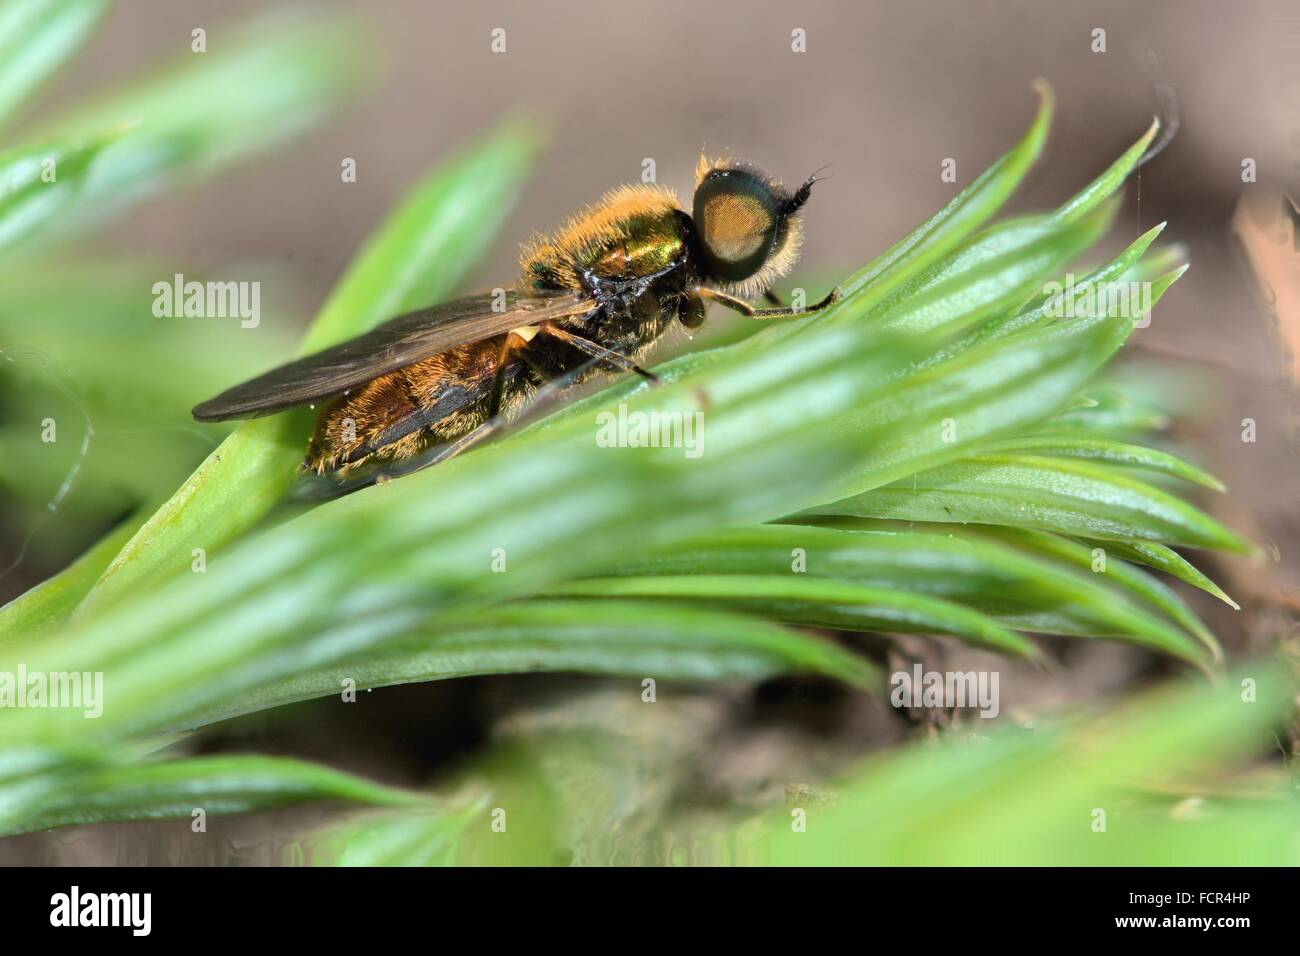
[[396, 415]]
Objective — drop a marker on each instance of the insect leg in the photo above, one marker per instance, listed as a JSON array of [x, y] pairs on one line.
[[596, 350], [509, 349], [770, 296], [495, 423], [691, 310], [744, 308], [453, 400], [332, 486], [498, 421]]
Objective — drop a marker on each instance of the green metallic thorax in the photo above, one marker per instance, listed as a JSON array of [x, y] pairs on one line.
[[649, 244]]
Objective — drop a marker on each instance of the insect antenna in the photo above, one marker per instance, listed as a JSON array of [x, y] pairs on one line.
[[804, 191]]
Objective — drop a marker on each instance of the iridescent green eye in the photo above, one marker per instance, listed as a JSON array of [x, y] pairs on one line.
[[737, 217]]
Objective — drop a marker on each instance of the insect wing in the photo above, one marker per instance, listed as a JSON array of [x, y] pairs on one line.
[[398, 342]]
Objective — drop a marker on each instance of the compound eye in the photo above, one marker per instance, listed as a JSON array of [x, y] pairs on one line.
[[736, 218]]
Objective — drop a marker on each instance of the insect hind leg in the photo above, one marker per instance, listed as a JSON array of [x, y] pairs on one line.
[[453, 400]]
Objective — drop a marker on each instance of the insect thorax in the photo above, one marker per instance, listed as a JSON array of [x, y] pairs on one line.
[[632, 232]]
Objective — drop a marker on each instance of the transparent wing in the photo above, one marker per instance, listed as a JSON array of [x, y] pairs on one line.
[[385, 348]]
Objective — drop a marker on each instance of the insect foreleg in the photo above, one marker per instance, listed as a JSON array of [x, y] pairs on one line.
[[744, 308]]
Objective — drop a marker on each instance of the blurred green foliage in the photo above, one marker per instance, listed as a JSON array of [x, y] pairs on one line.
[[939, 447]]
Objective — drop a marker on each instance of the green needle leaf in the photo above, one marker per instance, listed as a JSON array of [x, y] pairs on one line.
[[270, 79], [1019, 590], [1019, 799], [1048, 306], [1105, 185], [1108, 450], [1171, 562], [1068, 497], [38, 183], [1139, 584], [625, 638], [418, 256], [408, 838], [43, 608], [218, 785], [940, 234], [816, 602], [997, 270], [36, 37]]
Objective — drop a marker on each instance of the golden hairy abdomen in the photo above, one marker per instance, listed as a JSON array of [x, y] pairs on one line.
[[354, 421], [631, 231]]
